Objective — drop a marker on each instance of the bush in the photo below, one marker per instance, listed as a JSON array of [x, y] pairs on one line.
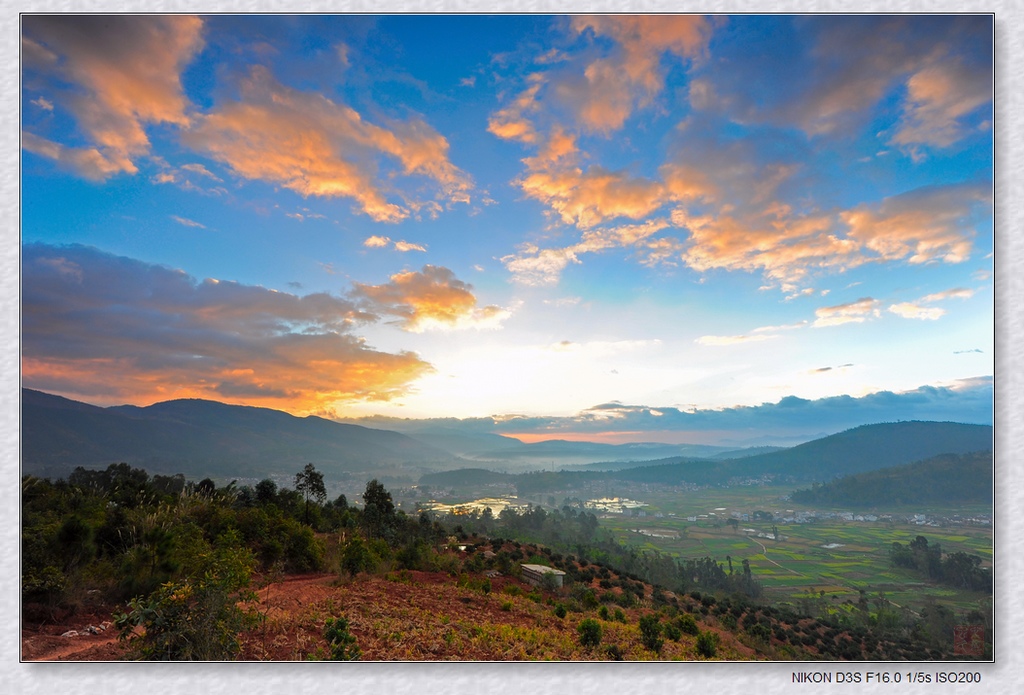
[[688, 625], [650, 633], [707, 644], [560, 611], [760, 632], [195, 619], [613, 652], [342, 643], [590, 633], [673, 632]]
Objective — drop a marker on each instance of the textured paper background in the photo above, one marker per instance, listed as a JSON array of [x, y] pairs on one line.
[[1006, 675]]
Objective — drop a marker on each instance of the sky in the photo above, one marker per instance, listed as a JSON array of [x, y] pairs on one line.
[[622, 228]]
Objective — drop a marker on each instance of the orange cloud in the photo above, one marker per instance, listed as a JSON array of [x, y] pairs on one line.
[[315, 147], [927, 224], [614, 85], [782, 245], [430, 299], [125, 71], [588, 198], [110, 329], [938, 99], [512, 123]]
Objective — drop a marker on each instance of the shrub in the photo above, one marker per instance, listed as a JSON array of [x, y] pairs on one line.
[[673, 632], [707, 644], [560, 611], [614, 652], [342, 643], [195, 619], [590, 633], [650, 633], [688, 625], [760, 632]]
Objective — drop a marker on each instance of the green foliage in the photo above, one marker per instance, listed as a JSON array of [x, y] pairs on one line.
[[957, 569], [673, 632], [650, 632], [590, 633], [614, 652], [949, 478], [707, 644], [310, 482], [342, 643], [379, 518], [688, 625], [560, 611], [196, 618], [549, 582], [357, 557], [760, 632]]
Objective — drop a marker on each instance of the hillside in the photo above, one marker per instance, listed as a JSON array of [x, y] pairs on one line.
[[946, 479], [204, 438], [434, 616], [857, 450]]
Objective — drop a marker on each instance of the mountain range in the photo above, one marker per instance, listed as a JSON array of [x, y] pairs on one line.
[[206, 438]]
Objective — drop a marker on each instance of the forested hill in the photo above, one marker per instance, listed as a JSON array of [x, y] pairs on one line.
[[946, 479], [203, 438], [857, 450]]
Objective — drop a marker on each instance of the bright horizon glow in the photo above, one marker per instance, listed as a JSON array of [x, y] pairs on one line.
[[537, 216]]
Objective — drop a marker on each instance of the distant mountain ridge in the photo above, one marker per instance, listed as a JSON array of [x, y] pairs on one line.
[[209, 438], [201, 438], [857, 450]]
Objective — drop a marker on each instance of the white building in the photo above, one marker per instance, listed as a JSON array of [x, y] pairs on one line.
[[534, 573]]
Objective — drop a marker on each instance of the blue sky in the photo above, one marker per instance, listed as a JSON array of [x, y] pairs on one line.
[[579, 221]]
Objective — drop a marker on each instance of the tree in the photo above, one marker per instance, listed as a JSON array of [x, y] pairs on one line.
[[310, 482], [266, 491], [378, 510]]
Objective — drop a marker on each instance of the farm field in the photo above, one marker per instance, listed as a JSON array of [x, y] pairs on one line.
[[838, 557]]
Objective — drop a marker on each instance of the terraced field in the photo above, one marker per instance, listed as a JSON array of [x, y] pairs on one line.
[[838, 557]]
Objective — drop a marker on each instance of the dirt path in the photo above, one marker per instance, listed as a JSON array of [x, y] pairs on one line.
[[46, 644], [764, 551]]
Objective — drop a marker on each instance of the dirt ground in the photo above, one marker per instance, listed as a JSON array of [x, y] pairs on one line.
[[415, 616]]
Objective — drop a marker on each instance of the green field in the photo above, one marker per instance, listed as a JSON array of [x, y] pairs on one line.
[[798, 565]]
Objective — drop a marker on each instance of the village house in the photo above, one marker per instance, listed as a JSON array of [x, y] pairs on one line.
[[535, 573]]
